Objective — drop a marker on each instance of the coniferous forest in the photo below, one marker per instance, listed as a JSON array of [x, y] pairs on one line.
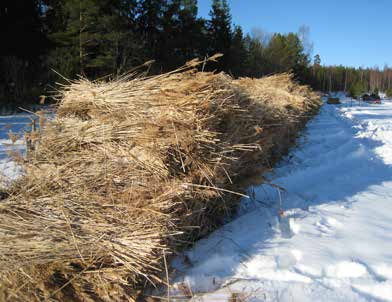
[[43, 39]]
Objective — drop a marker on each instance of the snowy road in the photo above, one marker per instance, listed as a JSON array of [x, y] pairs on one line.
[[334, 242]]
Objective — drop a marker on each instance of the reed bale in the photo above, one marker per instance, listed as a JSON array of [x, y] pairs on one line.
[[132, 170]]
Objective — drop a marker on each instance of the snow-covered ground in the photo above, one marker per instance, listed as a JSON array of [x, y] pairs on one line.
[[16, 124], [334, 241]]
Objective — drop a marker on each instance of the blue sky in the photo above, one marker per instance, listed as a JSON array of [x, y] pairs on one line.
[[349, 32]]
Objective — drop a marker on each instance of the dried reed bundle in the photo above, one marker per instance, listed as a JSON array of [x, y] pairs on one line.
[[134, 168]]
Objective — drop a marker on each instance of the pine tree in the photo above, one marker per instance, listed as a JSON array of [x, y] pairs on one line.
[[285, 53], [119, 45], [316, 75], [149, 22], [23, 45], [276, 55], [255, 63], [317, 61], [74, 35], [191, 30], [93, 37], [183, 34], [298, 59], [190, 7], [220, 34], [169, 36], [238, 53], [356, 89]]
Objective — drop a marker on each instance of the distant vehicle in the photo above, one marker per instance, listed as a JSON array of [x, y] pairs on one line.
[[371, 99]]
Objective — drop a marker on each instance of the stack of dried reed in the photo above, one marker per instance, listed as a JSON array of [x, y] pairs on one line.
[[130, 170]]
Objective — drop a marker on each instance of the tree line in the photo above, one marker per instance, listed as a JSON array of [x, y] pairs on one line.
[[355, 81], [48, 38]]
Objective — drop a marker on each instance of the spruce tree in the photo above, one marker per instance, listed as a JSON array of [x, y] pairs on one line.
[[356, 89], [316, 75], [93, 37], [276, 54], [191, 37], [238, 53], [119, 44], [220, 34], [317, 61], [74, 36], [23, 44], [255, 64], [190, 7], [149, 22]]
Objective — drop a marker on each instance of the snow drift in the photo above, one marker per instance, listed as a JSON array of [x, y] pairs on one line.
[[131, 170]]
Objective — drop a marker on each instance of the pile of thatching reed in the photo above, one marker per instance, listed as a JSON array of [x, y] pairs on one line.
[[130, 170]]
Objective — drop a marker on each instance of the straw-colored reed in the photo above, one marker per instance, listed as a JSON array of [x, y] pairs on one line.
[[133, 169]]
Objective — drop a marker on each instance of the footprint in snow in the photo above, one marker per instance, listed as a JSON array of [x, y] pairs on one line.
[[328, 225], [345, 269]]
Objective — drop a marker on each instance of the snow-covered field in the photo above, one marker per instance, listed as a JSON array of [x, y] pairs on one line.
[[16, 124], [334, 241]]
